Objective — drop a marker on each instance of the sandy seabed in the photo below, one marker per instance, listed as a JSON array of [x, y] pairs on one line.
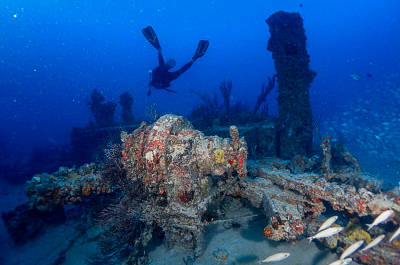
[[247, 246]]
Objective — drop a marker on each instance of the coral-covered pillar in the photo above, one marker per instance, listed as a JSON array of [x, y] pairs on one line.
[[288, 46]]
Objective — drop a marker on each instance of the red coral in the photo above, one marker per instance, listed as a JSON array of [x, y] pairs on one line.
[[364, 259], [182, 196]]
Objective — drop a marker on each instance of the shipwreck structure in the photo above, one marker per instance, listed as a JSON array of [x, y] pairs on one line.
[[172, 178], [170, 175], [288, 46], [176, 163]]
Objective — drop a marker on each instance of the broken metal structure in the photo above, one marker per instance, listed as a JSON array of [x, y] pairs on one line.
[[187, 174]]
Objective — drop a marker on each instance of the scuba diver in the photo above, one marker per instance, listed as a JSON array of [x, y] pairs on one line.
[[160, 76]]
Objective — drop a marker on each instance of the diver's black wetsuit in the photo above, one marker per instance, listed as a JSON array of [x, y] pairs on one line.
[[161, 78]]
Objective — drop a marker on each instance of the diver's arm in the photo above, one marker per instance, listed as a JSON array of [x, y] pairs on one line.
[[176, 74], [161, 62]]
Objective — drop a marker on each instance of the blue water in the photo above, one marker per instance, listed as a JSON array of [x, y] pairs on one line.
[[54, 53]]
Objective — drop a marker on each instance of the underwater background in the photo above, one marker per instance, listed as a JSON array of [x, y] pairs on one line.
[[53, 54]]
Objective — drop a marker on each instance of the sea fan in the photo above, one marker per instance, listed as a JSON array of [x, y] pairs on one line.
[[239, 224], [122, 236], [113, 171]]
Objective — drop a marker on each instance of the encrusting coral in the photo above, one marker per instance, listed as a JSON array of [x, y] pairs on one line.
[[354, 233], [219, 156]]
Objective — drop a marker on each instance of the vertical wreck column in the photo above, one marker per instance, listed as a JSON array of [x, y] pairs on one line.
[[288, 47]]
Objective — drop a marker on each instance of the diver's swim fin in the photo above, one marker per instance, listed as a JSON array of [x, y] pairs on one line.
[[201, 49], [151, 37]]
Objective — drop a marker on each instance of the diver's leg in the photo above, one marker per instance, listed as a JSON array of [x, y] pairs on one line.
[[161, 62], [176, 74]]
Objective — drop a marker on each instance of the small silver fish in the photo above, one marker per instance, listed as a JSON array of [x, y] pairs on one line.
[[374, 242], [350, 250], [342, 261], [275, 257], [394, 235], [326, 233], [381, 218], [328, 223]]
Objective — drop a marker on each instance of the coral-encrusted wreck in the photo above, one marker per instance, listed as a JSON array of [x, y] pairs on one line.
[[176, 163], [288, 46], [181, 176], [66, 186]]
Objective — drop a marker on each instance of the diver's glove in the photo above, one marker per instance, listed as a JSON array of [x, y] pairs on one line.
[[201, 49]]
